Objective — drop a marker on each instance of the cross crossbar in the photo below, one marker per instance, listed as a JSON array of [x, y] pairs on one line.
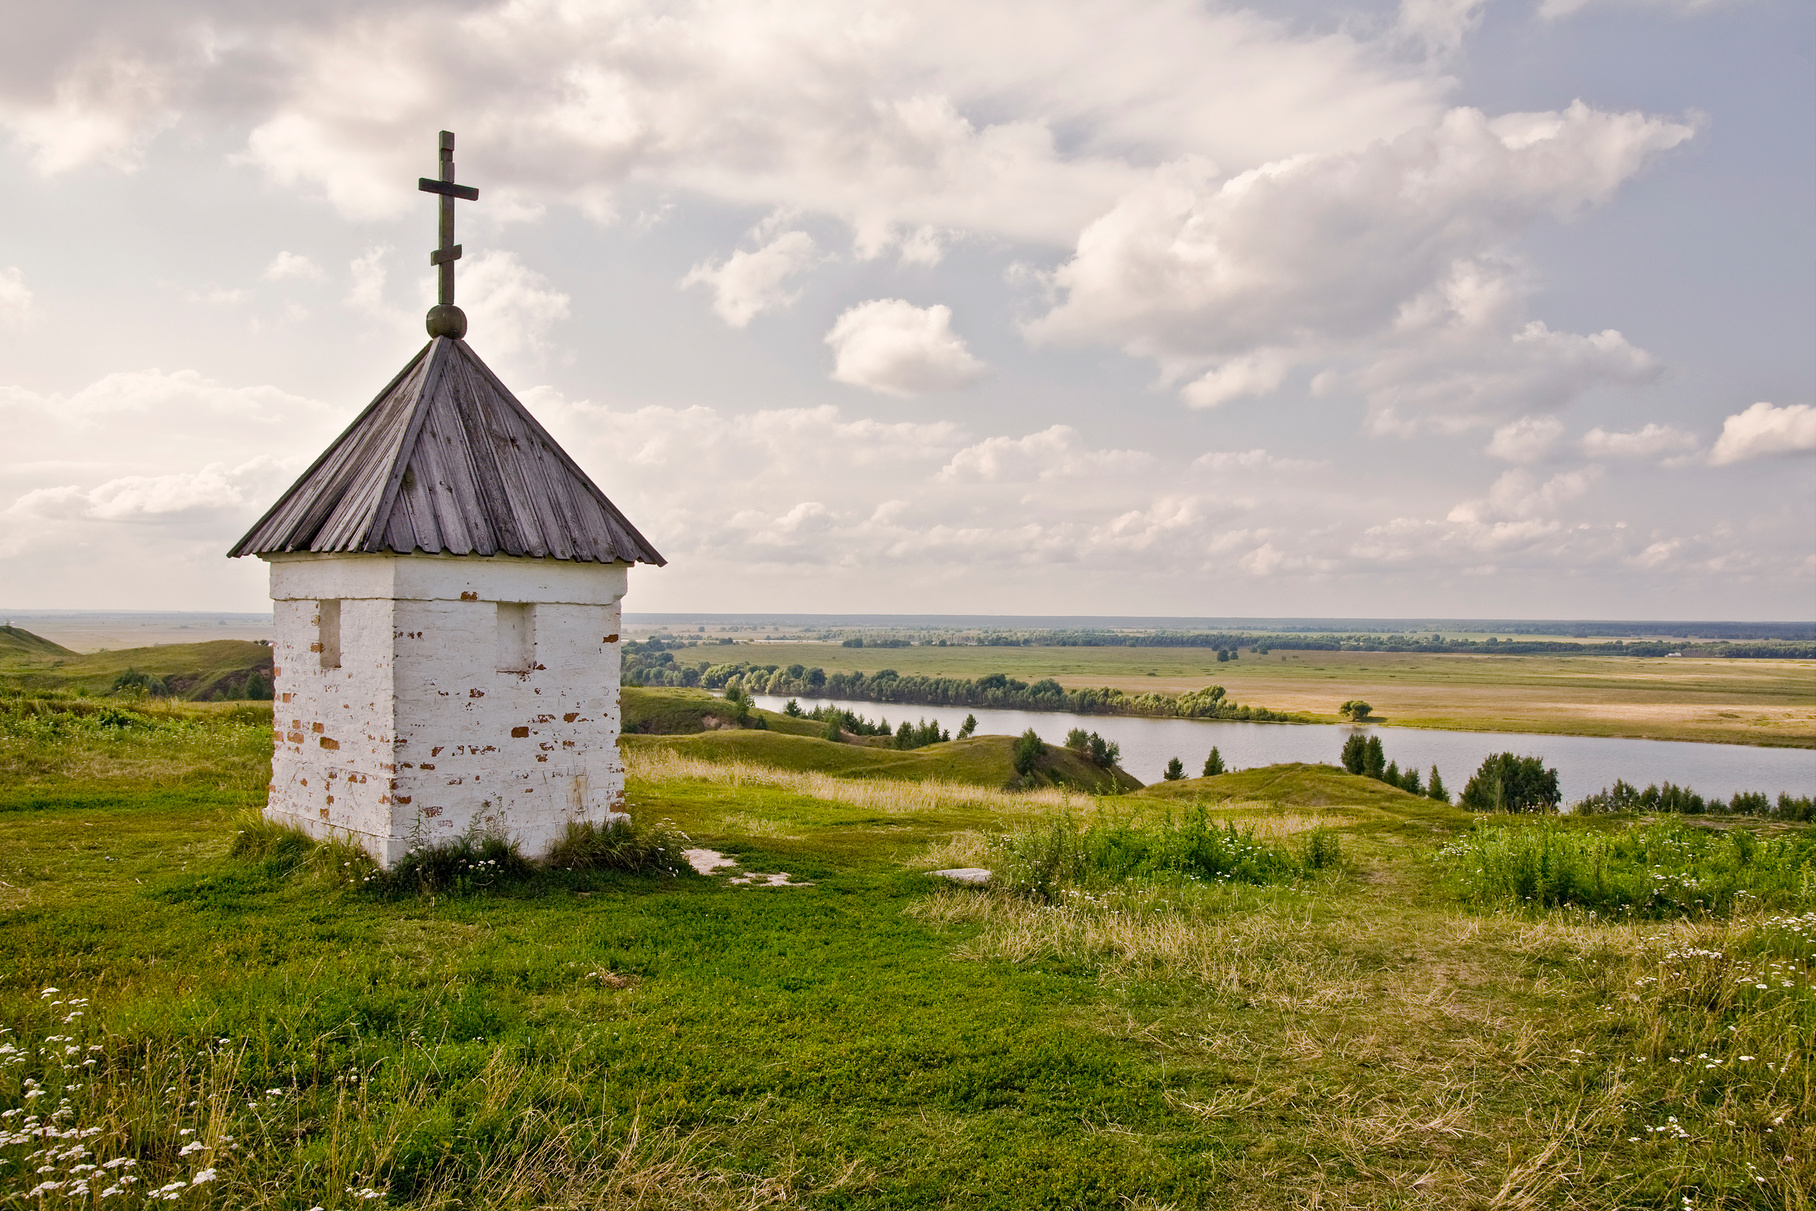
[[448, 189]]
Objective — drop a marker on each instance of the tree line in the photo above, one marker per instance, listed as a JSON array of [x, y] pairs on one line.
[[1508, 782], [996, 690]]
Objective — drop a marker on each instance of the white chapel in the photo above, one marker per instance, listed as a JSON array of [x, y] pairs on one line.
[[446, 585]]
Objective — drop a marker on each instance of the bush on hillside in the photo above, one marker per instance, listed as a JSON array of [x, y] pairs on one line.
[[1104, 754], [1681, 800], [1028, 750], [1509, 783]]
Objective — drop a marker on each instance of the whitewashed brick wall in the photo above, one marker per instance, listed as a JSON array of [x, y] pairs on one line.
[[419, 734]]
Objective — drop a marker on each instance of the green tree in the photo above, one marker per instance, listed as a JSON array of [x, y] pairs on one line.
[[1078, 740], [1355, 709], [1213, 764], [1374, 763], [793, 709], [1355, 753], [1434, 787], [834, 732], [1104, 753], [969, 726], [1409, 781], [1508, 783], [1028, 749], [1175, 770]]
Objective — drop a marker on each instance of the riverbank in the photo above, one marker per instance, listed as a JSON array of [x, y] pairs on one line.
[[1585, 764], [1769, 703]]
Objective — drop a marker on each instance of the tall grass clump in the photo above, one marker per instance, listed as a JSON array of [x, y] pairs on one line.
[[1652, 871], [160, 743], [1043, 863], [645, 849]]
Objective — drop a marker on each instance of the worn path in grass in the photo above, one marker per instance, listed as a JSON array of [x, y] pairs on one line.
[[1681, 698]]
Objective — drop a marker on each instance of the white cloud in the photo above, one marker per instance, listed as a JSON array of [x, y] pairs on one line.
[[15, 299], [1526, 440], [1051, 454], [218, 296], [1439, 25], [1391, 253], [1763, 430], [510, 307], [1253, 460], [368, 272], [135, 497], [1648, 442], [891, 345], [1255, 373], [292, 265], [1023, 118], [1554, 9], [748, 283], [103, 107], [144, 478]]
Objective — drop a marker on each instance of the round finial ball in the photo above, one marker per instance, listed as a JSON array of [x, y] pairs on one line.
[[445, 319]]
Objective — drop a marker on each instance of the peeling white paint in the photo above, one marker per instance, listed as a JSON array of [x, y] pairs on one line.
[[419, 733]]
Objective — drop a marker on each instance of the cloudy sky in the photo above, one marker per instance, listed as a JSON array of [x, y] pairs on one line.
[[1459, 307]]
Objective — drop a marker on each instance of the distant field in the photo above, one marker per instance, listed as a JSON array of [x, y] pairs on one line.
[[1676, 698]]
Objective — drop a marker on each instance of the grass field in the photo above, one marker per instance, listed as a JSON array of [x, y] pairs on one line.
[[251, 1034], [1733, 701], [214, 669]]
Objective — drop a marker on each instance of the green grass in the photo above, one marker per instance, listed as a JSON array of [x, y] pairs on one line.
[[1659, 870], [981, 760], [216, 670], [604, 1038], [670, 712]]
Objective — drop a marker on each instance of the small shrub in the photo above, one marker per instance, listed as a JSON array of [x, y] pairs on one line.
[[1506, 783], [1322, 849], [277, 849], [1046, 863], [470, 863], [645, 849]]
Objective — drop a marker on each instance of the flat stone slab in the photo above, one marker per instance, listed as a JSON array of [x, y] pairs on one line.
[[706, 861], [973, 876], [755, 879]]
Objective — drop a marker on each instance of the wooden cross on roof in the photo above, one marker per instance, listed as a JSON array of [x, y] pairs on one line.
[[445, 317]]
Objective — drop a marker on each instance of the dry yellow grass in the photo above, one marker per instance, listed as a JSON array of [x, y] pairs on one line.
[[887, 797]]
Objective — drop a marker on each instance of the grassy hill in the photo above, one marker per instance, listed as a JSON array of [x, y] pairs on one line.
[[19, 643], [677, 712], [215, 670], [1298, 783], [981, 760]]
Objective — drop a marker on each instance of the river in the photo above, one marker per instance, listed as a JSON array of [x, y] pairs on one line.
[[1585, 764]]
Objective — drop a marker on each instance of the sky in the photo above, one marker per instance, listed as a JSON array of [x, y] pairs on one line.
[[1453, 308]]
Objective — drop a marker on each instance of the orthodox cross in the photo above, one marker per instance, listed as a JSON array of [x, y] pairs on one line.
[[449, 252]]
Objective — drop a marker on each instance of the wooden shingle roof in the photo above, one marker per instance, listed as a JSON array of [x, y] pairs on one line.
[[447, 461]]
